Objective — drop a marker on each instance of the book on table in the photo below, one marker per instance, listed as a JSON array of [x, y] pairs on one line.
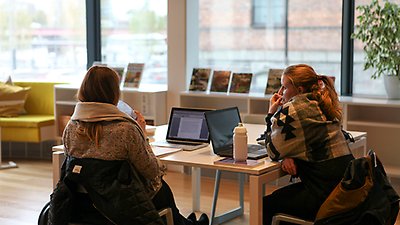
[[246, 163], [163, 151]]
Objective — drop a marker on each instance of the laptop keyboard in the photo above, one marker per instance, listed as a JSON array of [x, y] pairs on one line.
[[255, 148]]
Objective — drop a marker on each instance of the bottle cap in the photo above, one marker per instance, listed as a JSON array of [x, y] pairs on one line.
[[240, 129]]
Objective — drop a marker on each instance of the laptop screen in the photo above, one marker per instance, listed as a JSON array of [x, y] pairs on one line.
[[220, 125], [187, 124]]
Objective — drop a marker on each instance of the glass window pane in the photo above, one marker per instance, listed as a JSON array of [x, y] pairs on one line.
[[136, 33], [229, 41], [315, 34], [268, 13], [42, 40], [363, 84]]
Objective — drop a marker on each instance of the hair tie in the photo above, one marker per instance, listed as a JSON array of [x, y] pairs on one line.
[[319, 77]]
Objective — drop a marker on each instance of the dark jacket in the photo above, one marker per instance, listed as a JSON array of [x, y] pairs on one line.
[[113, 188], [363, 197]]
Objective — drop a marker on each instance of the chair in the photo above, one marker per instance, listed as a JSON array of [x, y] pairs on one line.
[[363, 189], [291, 219], [78, 191], [43, 216]]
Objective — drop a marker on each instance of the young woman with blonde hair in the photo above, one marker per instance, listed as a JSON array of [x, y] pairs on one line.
[[304, 131]]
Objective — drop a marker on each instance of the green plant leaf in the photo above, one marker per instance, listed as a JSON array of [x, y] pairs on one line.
[[378, 27]]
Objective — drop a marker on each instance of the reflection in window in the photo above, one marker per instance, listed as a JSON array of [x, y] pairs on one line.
[[229, 41], [136, 32], [42, 40]]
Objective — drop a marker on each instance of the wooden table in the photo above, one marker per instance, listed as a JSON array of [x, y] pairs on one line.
[[204, 158]]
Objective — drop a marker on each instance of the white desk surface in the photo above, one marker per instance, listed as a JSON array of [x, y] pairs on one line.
[[205, 157]]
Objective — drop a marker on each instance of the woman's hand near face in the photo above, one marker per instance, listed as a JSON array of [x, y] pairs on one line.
[[141, 121], [289, 166], [274, 103]]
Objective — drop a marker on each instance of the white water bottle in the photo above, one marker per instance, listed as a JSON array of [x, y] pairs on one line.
[[240, 143]]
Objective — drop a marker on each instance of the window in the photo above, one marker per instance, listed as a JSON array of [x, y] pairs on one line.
[[136, 32], [268, 13], [227, 39], [42, 40], [362, 82]]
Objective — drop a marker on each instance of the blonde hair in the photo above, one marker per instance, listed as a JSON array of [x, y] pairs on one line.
[[100, 84], [302, 75]]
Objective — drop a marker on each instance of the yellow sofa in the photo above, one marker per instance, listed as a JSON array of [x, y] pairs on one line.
[[38, 124]]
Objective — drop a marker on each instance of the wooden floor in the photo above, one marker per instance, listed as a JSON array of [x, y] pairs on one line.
[[24, 191]]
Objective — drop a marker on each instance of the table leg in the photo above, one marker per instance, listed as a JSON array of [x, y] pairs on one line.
[[256, 196], [233, 213], [215, 197], [196, 188], [256, 187]]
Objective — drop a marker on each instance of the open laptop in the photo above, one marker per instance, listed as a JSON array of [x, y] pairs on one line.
[[187, 129], [220, 126]]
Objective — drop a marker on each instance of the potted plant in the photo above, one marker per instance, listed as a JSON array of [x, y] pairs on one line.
[[379, 30]]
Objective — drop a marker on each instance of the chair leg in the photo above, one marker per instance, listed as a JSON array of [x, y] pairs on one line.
[[167, 212], [291, 219]]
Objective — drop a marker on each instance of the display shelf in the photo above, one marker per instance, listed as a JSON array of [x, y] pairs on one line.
[[214, 100], [383, 111], [372, 124], [383, 140], [258, 106], [150, 102], [370, 101]]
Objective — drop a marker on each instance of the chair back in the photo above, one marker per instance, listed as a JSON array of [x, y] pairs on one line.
[[112, 187]]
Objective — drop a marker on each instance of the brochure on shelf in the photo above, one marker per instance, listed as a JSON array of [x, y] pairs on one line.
[[133, 75], [199, 80], [220, 80], [120, 71], [241, 83], [274, 81]]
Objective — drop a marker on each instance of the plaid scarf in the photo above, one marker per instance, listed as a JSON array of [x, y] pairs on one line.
[[300, 130]]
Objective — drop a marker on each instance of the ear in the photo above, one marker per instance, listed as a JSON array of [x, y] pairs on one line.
[[300, 89]]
